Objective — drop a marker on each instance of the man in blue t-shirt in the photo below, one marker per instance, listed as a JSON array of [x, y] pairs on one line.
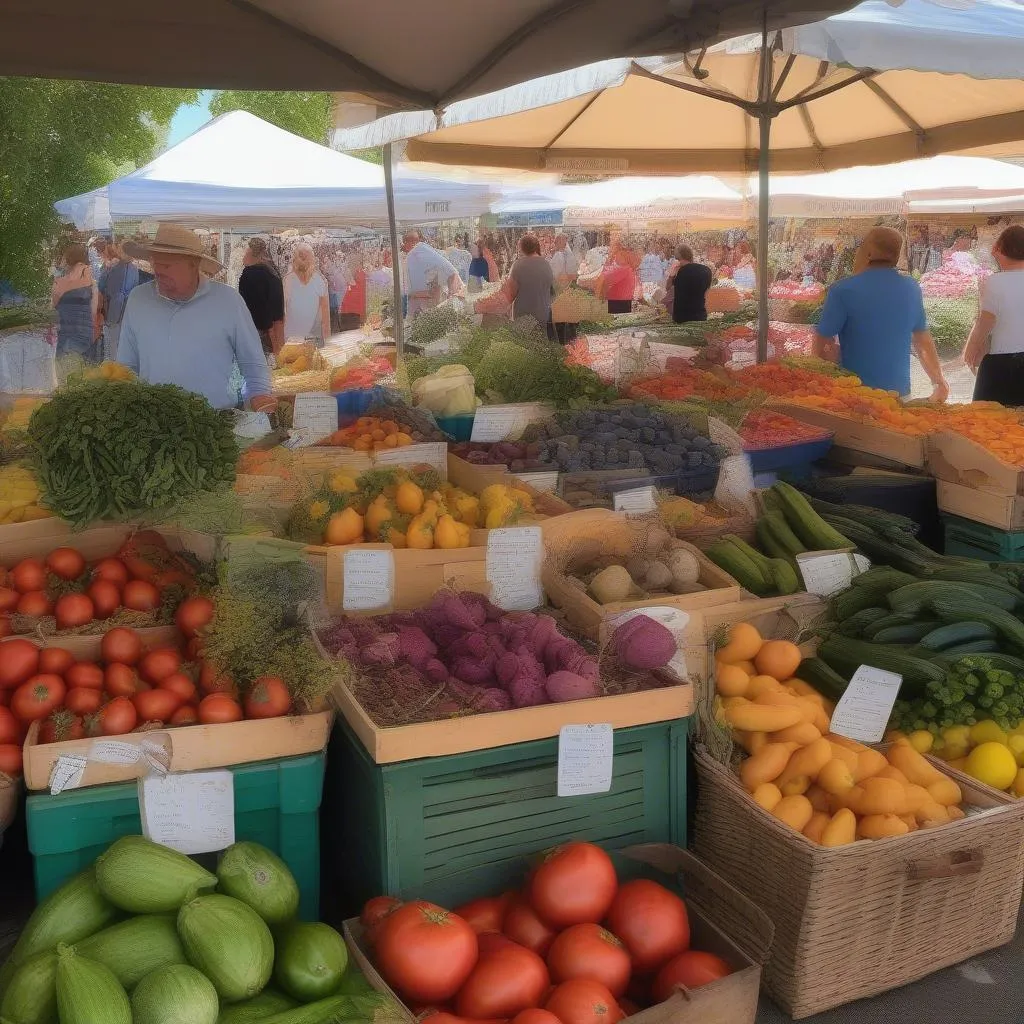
[[878, 317]]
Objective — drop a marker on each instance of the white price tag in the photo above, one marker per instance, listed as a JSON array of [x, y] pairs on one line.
[[492, 423], [514, 556], [252, 424], [67, 773], [637, 500], [827, 572], [721, 433], [315, 415], [863, 710], [735, 487], [585, 759], [191, 813], [114, 752], [675, 620], [544, 482], [369, 580], [433, 454]]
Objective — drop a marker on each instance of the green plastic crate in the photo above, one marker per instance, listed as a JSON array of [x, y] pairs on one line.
[[399, 828], [968, 539], [276, 804]]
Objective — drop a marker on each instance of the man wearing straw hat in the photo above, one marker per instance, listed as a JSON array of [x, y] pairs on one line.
[[878, 316], [185, 329]]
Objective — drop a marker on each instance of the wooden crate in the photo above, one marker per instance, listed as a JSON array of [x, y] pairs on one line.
[[959, 460], [905, 449], [1004, 511]]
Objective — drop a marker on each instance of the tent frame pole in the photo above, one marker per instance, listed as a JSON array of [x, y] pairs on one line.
[[765, 113], [397, 313]]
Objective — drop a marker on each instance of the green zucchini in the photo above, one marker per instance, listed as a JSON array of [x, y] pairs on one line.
[[907, 633], [823, 678], [809, 527], [859, 622], [973, 647], [953, 633]]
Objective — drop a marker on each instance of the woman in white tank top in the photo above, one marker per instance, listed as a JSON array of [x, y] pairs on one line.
[[995, 349]]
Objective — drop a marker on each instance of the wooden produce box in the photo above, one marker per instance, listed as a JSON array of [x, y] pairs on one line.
[[959, 460], [475, 478], [186, 747], [722, 921], [1005, 511], [613, 532], [905, 449], [857, 920]]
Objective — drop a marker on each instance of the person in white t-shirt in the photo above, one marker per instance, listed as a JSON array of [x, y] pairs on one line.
[[995, 349], [564, 264], [428, 274], [306, 312]]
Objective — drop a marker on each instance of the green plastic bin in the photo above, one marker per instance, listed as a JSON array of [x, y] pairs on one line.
[[968, 539], [276, 804], [410, 827]]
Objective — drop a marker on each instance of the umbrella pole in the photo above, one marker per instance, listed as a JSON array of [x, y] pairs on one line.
[[763, 209], [397, 318]]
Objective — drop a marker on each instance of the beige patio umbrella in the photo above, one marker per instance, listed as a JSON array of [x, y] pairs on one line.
[[833, 94]]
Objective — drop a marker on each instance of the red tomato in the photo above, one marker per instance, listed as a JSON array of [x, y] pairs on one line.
[[193, 614], [187, 714], [179, 684], [425, 953], [140, 596], [575, 884], [373, 913], [61, 726], [508, 979], [55, 660], [651, 922], [10, 730], [19, 659], [83, 701], [590, 951], [112, 570], [83, 674], [159, 664], [689, 970], [34, 603], [582, 1001], [5, 698], [67, 563], [211, 680], [487, 914], [105, 596], [38, 697], [121, 644], [117, 717], [491, 942], [10, 759], [73, 610], [120, 680], [8, 599], [156, 705], [522, 925], [268, 697], [444, 1017], [535, 1016], [218, 708], [28, 575]]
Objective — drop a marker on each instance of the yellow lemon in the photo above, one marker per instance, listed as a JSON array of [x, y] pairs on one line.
[[987, 732], [993, 764], [957, 735], [1017, 786], [1016, 745], [1018, 729], [921, 740]]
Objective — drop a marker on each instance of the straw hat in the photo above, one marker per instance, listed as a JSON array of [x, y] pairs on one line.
[[174, 240]]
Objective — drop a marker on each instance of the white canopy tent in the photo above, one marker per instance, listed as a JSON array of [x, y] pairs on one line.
[[239, 171]]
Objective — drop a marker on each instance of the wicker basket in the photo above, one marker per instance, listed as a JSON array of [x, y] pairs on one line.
[[858, 920]]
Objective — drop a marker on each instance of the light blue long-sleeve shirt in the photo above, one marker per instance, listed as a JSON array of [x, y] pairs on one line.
[[194, 343]]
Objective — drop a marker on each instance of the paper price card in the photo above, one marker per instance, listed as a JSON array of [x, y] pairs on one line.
[[721, 433], [315, 415], [827, 572], [430, 453], [67, 773], [192, 813], [863, 710], [544, 482], [637, 500], [492, 423], [252, 424], [585, 759], [514, 557], [369, 580]]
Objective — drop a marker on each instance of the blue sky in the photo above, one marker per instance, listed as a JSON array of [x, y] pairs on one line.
[[188, 119]]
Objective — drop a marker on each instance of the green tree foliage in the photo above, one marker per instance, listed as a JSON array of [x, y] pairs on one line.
[[303, 113], [60, 139]]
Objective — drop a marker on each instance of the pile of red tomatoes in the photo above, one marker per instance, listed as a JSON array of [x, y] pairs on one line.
[[126, 686], [573, 947], [142, 576]]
